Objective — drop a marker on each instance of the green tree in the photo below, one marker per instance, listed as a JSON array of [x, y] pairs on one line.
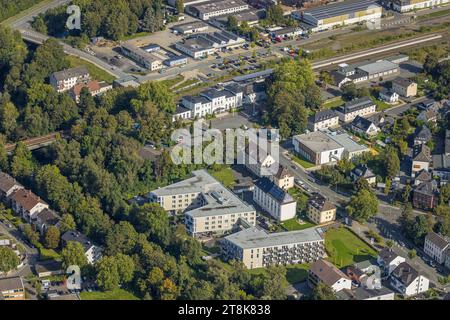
[[363, 205], [391, 162], [8, 259], [67, 223], [179, 4], [73, 254], [52, 237], [323, 292], [22, 165], [30, 234]]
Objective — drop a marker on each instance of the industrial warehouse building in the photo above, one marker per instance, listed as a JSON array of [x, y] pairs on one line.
[[142, 57], [207, 10], [256, 248], [339, 14], [410, 5]]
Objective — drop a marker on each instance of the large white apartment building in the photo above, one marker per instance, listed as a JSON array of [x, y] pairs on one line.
[[208, 206], [410, 5], [214, 100], [66, 79], [358, 107], [408, 281], [436, 246], [276, 201], [256, 248]]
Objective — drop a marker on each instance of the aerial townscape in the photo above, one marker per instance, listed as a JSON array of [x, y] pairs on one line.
[[347, 197]]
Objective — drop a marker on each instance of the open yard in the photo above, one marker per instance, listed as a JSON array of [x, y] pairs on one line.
[[295, 273], [118, 294], [95, 72], [293, 225], [225, 176], [303, 162], [333, 103], [345, 248]]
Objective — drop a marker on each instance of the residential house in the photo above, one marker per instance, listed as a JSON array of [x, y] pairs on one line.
[[323, 271], [404, 87], [441, 162], [363, 172], [436, 246], [66, 79], [94, 87], [364, 127], [359, 107], [323, 120], [44, 219], [388, 95], [389, 260], [182, 113], [421, 159], [276, 201], [363, 293], [8, 185], [27, 204], [447, 259], [261, 163], [425, 195], [320, 210], [422, 135], [92, 252], [408, 281], [428, 116], [421, 177], [257, 248], [283, 178], [12, 288]]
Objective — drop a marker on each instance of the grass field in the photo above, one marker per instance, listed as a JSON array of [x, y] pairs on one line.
[[381, 105], [225, 176], [333, 103], [118, 294], [95, 72], [295, 273], [345, 248], [293, 225], [173, 81], [303, 162]]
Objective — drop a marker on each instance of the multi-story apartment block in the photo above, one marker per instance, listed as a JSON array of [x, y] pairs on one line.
[[276, 201], [408, 281], [436, 246], [283, 178], [404, 87], [421, 159], [323, 271], [92, 252], [389, 260], [26, 203], [8, 185], [320, 210], [214, 101], [358, 107], [425, 195], [67, 79], [208, 206], [322, 120], [12, 288], [256, 248]]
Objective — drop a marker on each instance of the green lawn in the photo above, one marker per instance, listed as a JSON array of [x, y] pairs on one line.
[[381, 105], [293, 224], [295, 273], [173, 81], [95, 72], [303, 162], [225, 176], [118, 294], [135, 35], [333, 103], [345, 248], [47, 254]]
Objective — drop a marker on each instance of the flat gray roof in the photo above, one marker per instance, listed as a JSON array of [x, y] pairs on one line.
[[189, 26], [379, 66], [219, 200], [347, 142], [257, 238], [317, 141], [340, 8], [213, 6]]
